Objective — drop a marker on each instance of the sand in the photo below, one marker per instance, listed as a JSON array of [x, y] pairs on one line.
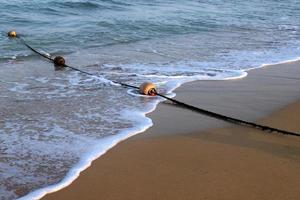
[[189, 156]]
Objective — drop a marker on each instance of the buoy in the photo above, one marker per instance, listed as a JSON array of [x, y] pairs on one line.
[[59, 62], [148, 88], [12, 34]]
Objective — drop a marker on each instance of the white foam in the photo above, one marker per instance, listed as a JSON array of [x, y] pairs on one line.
[[273, 63], [278, 63], [138, 118], [99, 149], [19, 87]]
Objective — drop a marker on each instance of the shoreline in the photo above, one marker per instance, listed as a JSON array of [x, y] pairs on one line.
[[137, 135], [153, 136]]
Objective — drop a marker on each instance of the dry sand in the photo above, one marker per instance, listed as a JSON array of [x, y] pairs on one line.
[[189, 156]]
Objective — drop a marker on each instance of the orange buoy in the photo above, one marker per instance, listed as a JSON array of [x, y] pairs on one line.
[[12, 34], [148, 88], [59, 62]]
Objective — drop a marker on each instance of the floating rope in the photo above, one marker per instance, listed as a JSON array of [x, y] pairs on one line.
[[150, 90]]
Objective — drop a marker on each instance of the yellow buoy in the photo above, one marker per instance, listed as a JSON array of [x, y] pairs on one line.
[[12, 34], [148, 88]]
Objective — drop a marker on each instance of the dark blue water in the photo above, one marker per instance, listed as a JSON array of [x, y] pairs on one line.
[[45, 132]]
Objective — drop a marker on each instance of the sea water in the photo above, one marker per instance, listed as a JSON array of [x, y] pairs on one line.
[[54, 123]]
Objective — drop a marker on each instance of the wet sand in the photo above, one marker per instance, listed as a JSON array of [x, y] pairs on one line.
[[189, 156]]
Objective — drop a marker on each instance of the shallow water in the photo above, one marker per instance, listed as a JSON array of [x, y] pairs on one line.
[[51, 121]]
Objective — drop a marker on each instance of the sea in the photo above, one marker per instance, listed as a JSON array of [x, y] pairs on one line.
[[53, 124]]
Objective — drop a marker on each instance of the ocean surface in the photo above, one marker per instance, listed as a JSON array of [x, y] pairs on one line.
[[54, 123]]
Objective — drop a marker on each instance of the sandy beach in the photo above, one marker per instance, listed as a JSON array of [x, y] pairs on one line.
[[190, 156]]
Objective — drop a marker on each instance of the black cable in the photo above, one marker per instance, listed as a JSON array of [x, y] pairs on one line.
[[79, 70], [182, 104], [68, 66], [228, 119], [32, 49]]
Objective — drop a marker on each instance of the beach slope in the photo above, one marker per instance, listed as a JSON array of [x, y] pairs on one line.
[[189, 156]]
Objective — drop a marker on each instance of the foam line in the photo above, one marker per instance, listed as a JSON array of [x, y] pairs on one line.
[[104, 145]]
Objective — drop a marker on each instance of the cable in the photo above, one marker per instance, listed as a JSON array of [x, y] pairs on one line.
[[182, 104], [229, 119], [68, 66], [32, 49]]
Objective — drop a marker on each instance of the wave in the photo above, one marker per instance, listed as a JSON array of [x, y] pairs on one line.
[[141, 122]]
